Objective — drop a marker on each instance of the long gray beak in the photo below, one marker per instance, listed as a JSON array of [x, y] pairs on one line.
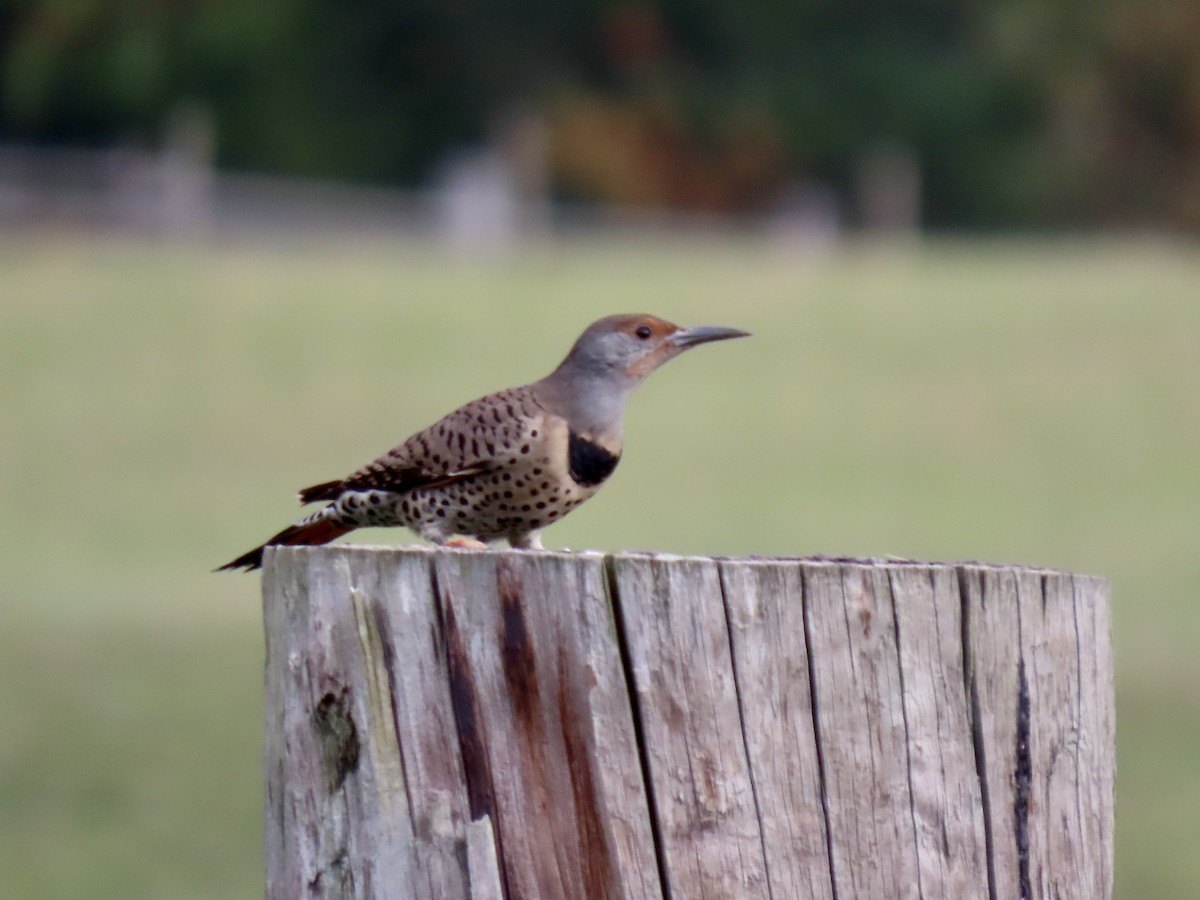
[[702, 334]]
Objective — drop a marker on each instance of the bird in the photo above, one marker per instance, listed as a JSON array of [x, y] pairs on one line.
[[508, 464]]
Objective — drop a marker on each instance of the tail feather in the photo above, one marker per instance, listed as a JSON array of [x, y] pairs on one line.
[[326, 490], [321, 531]]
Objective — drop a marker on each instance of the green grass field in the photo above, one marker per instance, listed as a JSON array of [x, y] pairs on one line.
[[1029, 401]]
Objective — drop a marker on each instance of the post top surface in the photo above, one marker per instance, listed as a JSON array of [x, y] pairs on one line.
[[809, 562]]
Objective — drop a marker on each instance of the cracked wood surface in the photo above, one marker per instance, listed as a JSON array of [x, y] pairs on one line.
[[518, 725]]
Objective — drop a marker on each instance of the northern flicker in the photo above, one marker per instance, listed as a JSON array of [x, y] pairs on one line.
[[508, 464]]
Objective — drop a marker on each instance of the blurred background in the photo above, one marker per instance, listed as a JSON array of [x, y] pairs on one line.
[[246, 247]]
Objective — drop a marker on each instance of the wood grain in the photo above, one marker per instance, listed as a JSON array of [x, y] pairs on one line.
[[860, 721], [534, 655], [765, 608], [516, 725], [673, 618], [945, 793]]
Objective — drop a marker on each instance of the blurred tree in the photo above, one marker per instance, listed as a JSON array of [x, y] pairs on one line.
[[1015, 112]]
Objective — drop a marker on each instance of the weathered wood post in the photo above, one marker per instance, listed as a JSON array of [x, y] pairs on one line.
[[458, 724]]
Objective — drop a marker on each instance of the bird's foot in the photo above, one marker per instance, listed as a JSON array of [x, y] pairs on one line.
[[463, 543], [529, 541]]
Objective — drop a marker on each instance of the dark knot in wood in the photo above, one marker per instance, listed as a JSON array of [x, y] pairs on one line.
[[338, 737]]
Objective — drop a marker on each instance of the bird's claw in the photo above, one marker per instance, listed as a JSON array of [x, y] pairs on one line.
[[464, 543]]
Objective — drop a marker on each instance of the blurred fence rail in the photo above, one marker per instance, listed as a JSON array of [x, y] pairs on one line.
[[480, 201], [175, 192], [456, 724]]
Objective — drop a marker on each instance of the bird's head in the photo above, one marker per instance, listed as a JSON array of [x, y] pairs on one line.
[[627, 348]]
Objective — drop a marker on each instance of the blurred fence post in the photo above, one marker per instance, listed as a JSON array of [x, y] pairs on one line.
[[888, 185], [186, 172], [454, 724]]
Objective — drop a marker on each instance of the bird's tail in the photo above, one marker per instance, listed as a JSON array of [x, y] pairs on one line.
[[317, 531]]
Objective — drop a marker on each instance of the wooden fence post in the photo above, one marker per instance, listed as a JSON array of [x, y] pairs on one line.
[[449, 724]]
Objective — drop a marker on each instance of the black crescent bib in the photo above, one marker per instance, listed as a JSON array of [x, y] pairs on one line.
[[588, 462]]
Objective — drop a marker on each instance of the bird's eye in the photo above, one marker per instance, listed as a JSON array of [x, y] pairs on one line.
[[643, 331]]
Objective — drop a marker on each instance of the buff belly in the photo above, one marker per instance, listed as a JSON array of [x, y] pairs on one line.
[[521, 497]]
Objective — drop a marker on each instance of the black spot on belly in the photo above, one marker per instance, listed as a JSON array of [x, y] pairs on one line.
[[588, 462]]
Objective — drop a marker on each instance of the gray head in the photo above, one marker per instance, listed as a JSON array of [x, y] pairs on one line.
[[613, 356], [629, 347]]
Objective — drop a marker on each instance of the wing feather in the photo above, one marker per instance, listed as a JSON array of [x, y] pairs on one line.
[[463, 444]]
